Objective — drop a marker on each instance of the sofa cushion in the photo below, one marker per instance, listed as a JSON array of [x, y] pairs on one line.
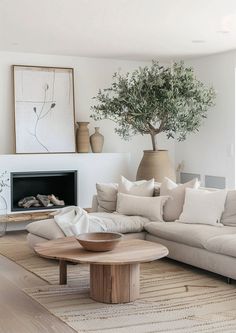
[[223, 244], [142, 188], [46, 228], [121, 223], [229, 215], [112, 222], [107, 196], [149, 207], [174, 206], [33, 240], [195, 235]]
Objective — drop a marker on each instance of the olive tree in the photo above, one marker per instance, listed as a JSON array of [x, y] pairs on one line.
[[155, 99]]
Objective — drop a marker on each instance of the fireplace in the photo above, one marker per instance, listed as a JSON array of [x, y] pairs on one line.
[[62, 184]]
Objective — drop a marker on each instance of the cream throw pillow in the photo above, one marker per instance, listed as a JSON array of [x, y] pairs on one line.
[[204, 207], [174, 206], [107, 197], [149, 207], [140, 188]]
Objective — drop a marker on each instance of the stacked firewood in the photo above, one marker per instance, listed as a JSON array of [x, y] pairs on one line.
[[40, 201]]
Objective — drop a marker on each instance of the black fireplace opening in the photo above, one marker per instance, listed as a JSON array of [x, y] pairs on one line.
[[42, 185]]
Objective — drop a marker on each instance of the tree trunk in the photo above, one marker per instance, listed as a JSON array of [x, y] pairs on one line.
[[154, 144]]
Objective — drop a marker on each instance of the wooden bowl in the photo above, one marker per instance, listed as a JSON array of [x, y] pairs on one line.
[[99, 241]]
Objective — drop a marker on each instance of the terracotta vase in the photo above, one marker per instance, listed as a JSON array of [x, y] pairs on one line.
[[157, 165], [97, 141], [82, 137]]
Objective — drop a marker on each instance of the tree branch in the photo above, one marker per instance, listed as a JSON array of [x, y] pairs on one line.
[[153, 129], [160, 129]]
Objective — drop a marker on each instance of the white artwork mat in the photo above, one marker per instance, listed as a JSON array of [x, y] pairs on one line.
[[44, 110]]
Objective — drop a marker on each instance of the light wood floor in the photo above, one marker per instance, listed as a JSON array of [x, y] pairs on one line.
[[18, 312]]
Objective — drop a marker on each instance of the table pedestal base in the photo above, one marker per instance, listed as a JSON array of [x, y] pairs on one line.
[[114, 283]]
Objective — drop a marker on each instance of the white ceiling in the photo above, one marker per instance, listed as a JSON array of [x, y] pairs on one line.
[[129, 29]]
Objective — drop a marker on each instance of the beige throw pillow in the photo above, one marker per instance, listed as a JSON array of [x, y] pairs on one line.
[[107, 197], [141, 188], [174, 206], [149, 207], [229, 215]]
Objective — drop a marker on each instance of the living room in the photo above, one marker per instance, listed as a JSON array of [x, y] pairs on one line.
[[117, 166]]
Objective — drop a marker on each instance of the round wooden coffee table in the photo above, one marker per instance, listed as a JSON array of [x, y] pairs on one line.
[[114, 275]]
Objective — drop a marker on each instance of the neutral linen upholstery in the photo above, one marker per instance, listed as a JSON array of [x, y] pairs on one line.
[[141, 188], [33, 240], [174, 206], [224, 244], [107, 196], [229, 215], [46, 228], [107, 192], [202, 206], [121, 223], [191, 234], [149, 207], [199, 245], [94, 207], [213, 262]]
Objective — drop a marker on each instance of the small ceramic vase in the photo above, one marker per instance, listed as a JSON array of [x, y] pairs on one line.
[[97, 141]]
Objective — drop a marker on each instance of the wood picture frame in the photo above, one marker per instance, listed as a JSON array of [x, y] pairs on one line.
[[44, 109]]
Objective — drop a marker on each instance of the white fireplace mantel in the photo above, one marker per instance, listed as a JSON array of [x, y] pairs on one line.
[[91, 168]]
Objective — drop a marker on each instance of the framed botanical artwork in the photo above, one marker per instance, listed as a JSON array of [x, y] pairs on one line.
[[44, 109]]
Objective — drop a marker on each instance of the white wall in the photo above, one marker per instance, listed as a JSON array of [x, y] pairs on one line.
[[212, 150], [90, 75], [91, 168]]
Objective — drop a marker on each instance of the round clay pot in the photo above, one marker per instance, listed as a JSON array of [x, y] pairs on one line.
[[157, 165], [82, 137], [97, 141]]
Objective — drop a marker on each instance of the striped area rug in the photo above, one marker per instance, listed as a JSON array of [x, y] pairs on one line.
[[174, 298]]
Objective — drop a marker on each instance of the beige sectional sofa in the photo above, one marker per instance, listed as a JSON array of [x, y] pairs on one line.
[[204, 246]]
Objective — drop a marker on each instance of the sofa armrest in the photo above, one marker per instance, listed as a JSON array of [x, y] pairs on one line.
[[94, 204]]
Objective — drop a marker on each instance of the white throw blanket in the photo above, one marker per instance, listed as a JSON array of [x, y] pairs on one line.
[[75, 220]]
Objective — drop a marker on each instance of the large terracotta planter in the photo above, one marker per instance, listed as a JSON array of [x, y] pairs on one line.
[[157, 165]]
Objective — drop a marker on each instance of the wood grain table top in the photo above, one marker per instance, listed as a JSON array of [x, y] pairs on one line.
[[126, 252], [26, 217]]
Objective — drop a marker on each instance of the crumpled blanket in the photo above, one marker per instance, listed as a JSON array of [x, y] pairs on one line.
[[75, 220]]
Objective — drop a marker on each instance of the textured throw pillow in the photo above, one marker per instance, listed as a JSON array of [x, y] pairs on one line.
[[143, 188], [174, 206], [107, 196], [204, 207], [149, 207], [229, 215]]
